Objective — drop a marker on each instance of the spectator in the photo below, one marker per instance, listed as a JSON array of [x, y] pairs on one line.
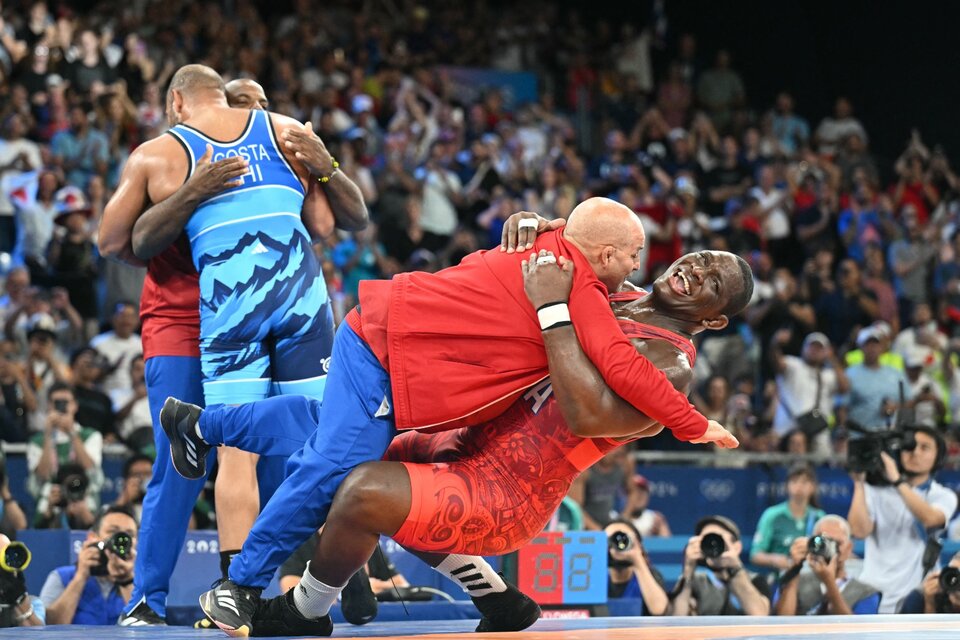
[[933, 596], [36, 220], [63, 440], [649, 523], [45, 367], [727, 180], [876, 278], [675, 96], [783, 523], [629, 572], [888, 357], [895, 519], [18, 399], [922, 338], [874, 387], [358, 258], [724, 588], [17, 156], [832, 131], [860, 225], [910, 261], [790, 130], [849, 306], [137, 471], [826, 588], [81, 151], [927, 406], [88, 68], [720, 91], [71, 254], [119, 347], [94, 409], [16, 293], [441, 195], [132, 410], [806, 387], [95, 590], [598, 490]]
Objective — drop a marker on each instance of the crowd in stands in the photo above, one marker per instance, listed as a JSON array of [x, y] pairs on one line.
[[856, 262]]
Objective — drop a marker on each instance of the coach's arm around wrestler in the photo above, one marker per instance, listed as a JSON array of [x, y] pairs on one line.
[[589, 406]]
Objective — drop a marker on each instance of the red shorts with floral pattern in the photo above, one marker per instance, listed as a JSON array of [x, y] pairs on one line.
[[489, 489]]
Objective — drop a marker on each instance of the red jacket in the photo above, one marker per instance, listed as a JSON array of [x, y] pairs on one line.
[[460, 345]]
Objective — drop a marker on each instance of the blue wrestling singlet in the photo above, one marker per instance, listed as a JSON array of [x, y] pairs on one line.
[[265, 316]]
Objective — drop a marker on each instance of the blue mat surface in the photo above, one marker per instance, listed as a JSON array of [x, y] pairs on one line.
[[824, 628]]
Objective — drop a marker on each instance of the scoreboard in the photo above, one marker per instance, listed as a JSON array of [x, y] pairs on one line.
[[564, 568]]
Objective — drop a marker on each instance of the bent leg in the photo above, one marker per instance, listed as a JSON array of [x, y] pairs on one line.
[[273, 427], [170, 497]]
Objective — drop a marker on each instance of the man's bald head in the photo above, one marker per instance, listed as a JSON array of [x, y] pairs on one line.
[[244, 93], [610, 235], [196, 78], [190, 84]]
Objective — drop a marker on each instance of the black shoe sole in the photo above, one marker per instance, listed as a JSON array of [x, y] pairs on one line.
[[178, 450]]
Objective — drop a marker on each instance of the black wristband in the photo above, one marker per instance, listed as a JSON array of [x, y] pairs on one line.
[[557, 325], [732, 573], [901, 480]]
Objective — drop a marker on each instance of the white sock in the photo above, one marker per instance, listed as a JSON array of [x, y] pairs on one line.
[[474, 575], [313, 598]]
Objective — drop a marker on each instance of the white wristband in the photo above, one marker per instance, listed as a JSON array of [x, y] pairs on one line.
[[552, 315], [528, 223]]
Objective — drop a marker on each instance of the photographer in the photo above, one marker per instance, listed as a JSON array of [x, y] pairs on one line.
[[896, 516], [63, 440], [17, 607], [824, 589], [66, 503], [725, 588], [940, 592], [629, 572], [95, 590]]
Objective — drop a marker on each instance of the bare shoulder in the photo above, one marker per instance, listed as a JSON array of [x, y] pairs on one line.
[[160, 150], [282, 122], [669, 359]]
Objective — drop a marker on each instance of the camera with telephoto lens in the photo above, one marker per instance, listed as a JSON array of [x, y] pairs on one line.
[[618, 541], [712, 546], [950, 580], [75, 488], [60, 405], [119, 544], [13, 585], [822, 547], [863, 454]]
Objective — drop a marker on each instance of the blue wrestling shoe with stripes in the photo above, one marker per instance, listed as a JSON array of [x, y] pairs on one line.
[[187, 449]]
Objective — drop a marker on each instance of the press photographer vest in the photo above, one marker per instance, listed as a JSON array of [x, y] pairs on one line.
[[809, 594], [93, 608]]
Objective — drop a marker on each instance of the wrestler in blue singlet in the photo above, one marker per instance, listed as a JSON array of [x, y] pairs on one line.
[[265, 316]]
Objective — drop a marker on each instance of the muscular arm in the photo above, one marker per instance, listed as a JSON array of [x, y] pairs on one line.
[[589, 406], [121, 213], [160, 225]]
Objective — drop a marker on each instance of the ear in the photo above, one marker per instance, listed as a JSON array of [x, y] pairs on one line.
[[606, 255], [177, 101], [716, 324]]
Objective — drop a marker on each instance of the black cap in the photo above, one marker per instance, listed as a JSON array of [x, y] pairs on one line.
[[722, 522]]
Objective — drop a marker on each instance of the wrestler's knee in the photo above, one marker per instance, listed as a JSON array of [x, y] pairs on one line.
[[373, 494]]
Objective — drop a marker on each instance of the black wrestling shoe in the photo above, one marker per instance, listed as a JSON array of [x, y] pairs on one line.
[[279, 617], [188, 452], [232, 607], [141, 616], [357, 602], [509, 610]]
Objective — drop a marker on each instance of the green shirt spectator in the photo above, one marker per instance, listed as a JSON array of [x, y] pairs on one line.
[[782, 523]]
